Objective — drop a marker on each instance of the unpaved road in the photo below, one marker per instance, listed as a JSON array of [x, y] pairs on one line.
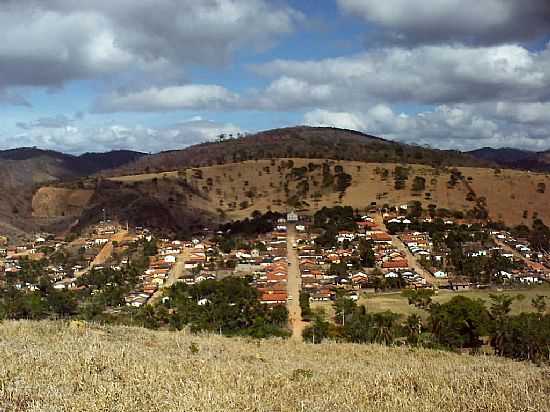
[[105, 253], [294, 286], [510, 249], [175, 273], [413, 262]]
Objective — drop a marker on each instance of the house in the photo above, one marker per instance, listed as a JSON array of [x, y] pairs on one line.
[[273, 298], [321, 295], [381, 237], [291, 216], [396, 264], [169, 259]]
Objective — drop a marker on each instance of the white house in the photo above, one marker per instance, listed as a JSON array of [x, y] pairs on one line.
[[169, 259], [291, 216]]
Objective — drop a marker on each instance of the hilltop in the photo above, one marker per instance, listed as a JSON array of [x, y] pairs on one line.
[[81, 367], [298, 142]]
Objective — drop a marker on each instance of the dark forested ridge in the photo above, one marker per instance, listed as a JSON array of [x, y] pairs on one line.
[[303, 142], [514, 158]]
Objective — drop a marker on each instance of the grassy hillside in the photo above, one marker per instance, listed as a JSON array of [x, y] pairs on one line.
[[55, 366], [233, 177], [235, 190]]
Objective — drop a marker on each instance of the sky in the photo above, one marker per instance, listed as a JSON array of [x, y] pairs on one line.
[[153, 75]]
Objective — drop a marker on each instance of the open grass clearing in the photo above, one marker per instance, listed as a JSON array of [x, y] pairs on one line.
[[60, 366]]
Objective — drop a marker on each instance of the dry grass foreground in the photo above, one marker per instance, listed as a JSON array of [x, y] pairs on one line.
[[56, 366]]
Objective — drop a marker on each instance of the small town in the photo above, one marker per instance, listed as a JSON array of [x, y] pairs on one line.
[[296, 261]]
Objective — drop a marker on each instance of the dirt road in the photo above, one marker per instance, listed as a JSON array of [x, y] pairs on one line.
[[175, 273], [105, 253], [294, 286], [413, 262], [513, 251]]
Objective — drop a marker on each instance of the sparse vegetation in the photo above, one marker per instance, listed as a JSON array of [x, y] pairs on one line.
[[80, 366]]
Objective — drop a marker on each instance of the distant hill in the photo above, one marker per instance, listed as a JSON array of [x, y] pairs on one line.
[[96, 162], [23, 170], [297, 167], [514, 158], [299, 142], [75, 366]]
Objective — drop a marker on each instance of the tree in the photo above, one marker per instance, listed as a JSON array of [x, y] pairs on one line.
[[413, 328], [501, 305], [539, 303], [229, 306], [540, 235], [62, 303], [401, 174], [500, 308], [317, 332], [366, 253], [419, 184], [363, 327], [344, 308], [459, 323], [524, 337], [421, 298], [304, 305]]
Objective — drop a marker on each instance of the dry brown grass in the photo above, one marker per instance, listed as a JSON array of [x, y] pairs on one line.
[[55, 366], [508, 193]]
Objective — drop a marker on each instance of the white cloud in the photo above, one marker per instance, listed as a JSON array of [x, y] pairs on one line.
[[446, 126], [427, 75], [343, 120], [46, 43], [472, 21], [75, 139], [193, 96]]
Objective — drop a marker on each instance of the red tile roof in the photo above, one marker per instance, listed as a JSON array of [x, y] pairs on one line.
[[380, 237], [395, 264]]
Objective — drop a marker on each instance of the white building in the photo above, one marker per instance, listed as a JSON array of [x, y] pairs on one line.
[[291, 216]]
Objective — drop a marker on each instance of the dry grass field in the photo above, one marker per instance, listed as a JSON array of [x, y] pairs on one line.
[[57, 366]]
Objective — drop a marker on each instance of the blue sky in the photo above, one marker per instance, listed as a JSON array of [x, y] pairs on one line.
[[161, 74]]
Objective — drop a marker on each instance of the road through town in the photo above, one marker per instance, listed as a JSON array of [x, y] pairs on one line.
[[105, 253], [294, 286], [175, 273], [413, 262]]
